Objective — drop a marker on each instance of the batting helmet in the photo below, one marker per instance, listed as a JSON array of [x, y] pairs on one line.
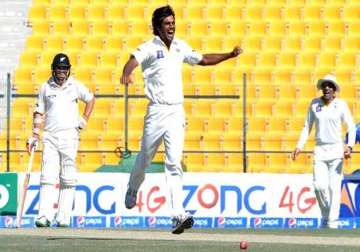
[[60, 60]]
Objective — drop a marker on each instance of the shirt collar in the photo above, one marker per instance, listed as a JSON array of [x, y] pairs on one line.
[[158, 40], [54, 85]]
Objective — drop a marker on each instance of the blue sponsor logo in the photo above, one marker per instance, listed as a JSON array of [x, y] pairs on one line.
[[127, 221], [301, 223], [266, 222], [346, 223], [7, 221], [89, 221], [227, 222], [203, 222], [158, 222]]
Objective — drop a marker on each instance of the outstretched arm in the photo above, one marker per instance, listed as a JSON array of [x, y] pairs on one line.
[[130, 65], [215, 58]]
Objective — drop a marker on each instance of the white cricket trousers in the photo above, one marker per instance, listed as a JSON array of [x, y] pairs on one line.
[[58, 163], [327, 182], [163, 122]]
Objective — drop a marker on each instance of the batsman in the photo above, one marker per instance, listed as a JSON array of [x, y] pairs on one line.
[[161, 60], [57, 111]]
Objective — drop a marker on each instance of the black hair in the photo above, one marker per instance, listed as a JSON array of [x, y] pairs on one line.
[[159, 15]]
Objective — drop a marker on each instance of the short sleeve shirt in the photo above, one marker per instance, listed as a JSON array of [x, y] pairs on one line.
[[162, 69], [59, 104]]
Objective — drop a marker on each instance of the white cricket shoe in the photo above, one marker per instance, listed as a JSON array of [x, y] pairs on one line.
[[42, 222]]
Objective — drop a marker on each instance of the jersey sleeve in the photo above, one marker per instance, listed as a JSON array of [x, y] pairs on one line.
[[191, 56], [141, 53], [309, 121], [84, 93], [351, 129], [40, 102]]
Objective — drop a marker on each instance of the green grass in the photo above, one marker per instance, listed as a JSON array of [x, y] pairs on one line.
[[34, 243]]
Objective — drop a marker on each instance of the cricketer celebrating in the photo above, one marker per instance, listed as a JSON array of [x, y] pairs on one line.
[[57, 103], [161, 61], [328, 113]]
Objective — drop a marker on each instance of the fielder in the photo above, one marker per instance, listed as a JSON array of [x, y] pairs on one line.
[[57, 108], [328, 113], [161, 61]]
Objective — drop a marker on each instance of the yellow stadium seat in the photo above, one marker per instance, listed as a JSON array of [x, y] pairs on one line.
[[41, 74], [332, 43], [57, 12], [60, 27], [312, 12], [35, 43], [346, 59], [252, 12], [272, 12], [94, 43], [351, 12], [116, 12], [88, 58], [256, 162], [135, 12], [214, 12], [96, 12], [306, 59], [77, 12], [99, 27], [29, 58], [55, 43], [283, 106], [292, 43], [277, 28], [286, 59], [139, 27], [74, 42], [272, 43], [292, 12], [40, 27], [237, 27], [233, 162], [266, 59], [79, 27], [119, 27], [338, 28], [193, 162], [252, 43], [326, 59], [37, 11], [194, 12], [23, 78], [109, 59], [333, 11], [85, 74], [296, 28]]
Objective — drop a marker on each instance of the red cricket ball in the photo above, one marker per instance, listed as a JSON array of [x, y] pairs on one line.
[[243, 245]]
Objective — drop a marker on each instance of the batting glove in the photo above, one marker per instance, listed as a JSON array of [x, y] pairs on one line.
[[32, 142], [82, 123]]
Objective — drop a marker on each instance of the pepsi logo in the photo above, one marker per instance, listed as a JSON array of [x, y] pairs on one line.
[[292, 222], [80, 220], [221, 221], [9, 221], [152, 220], [257, 221], [117, 220]]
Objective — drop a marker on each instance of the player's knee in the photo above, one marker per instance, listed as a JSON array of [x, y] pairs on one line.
[[319, 186], [47, 180], [174, 167], [68, 176]]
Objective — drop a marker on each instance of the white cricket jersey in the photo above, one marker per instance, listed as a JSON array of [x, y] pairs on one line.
[[162, 69], [59, 104], [328, 128]]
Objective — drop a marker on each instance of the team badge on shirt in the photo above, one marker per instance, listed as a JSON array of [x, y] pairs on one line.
[[159, 54], [318, 108]]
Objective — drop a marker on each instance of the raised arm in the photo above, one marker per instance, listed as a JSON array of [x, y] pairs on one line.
[[215, 58], [130, 65]]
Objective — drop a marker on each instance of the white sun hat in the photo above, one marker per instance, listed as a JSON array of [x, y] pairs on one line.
[[328, 78]]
